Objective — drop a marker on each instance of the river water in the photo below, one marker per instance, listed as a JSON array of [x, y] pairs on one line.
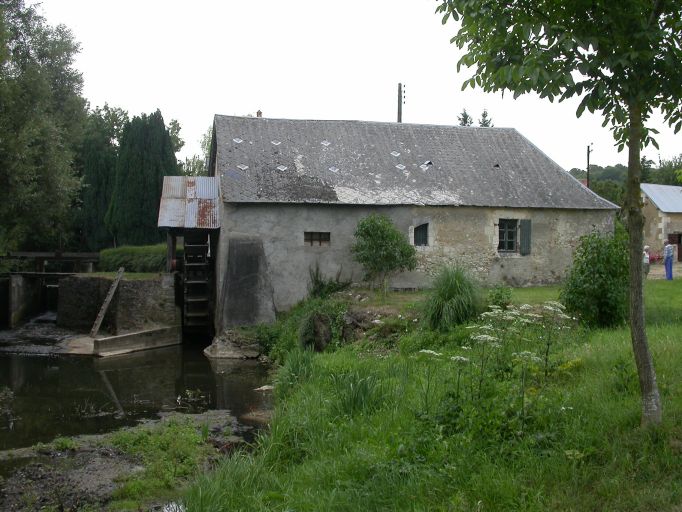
[[44, 396]]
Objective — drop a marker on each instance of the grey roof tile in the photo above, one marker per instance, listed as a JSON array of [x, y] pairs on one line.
[[354, 162]]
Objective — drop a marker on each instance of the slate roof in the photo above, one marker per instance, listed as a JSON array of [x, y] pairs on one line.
[[190, 202], [266, 160], [667, 198]]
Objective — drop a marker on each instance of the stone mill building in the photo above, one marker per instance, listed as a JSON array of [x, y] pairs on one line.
[[287, 196]]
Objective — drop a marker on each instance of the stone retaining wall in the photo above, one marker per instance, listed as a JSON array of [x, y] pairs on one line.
[[137, 304]]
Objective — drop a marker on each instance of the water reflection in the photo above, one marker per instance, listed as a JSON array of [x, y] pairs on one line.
[[47, 396]]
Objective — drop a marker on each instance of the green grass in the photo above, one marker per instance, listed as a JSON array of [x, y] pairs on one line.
[[662, 300], [534, 294], [409, 430], [170, 452], [142, 258]]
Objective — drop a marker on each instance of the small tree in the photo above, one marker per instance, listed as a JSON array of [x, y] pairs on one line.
[[485, 121], [621, 58], [597, 286], [381, 249], [465, 119]]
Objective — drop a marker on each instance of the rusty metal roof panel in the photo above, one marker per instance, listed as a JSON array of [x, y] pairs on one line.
[[174, 186], [190, 202], [207, 213], [207, 187], [171, 212]]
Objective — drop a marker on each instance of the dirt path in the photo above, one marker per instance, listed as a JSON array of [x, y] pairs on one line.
[[658, 271]]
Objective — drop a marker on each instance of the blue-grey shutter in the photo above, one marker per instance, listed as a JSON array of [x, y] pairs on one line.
[[524, 247]]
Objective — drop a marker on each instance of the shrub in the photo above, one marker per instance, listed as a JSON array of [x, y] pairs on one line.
[[322, 324], [455, 299], [500, 295], [141, 258], [381, 249], [296, 328], [63, 444], [597, 287], [322, 287]]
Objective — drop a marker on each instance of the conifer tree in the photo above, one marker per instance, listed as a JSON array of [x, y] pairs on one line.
[[465, 119], [485, 121], [145, 157], [98, 155]]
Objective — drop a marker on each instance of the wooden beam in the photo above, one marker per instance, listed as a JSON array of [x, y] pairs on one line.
[[105, 304], [65, 256]]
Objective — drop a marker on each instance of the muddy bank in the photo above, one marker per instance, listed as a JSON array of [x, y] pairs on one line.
[[87, 471]]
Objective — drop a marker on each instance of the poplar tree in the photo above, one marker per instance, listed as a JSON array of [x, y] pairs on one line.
[[145, 157], [622, 58]]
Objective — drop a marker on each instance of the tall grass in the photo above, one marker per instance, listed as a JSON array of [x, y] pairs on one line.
[[412, 430], [455, 299]]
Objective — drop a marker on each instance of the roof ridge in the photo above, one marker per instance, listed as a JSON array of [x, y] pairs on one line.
[[362, 121]]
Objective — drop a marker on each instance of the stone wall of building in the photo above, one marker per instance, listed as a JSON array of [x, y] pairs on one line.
[[138, 303], [658, 225], [465, 235]]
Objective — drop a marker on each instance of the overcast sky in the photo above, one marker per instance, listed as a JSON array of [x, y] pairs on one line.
[[305, 59]]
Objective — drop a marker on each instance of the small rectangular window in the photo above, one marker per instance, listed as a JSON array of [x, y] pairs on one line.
[[316, 238], [508, 235], [421, 235]]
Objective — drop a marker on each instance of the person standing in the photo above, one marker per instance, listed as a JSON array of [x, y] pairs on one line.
[[668, 260], [646, 261]]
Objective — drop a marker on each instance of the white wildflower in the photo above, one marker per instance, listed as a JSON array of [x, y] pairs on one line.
[[555, 304], [429, 352], [460, 359], [465, 347], [485, 338], [525, 307], [527, 356]]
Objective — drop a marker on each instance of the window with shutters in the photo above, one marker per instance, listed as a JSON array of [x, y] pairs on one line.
[[514, 236], [508, 235], [316, 238], [421, 235]]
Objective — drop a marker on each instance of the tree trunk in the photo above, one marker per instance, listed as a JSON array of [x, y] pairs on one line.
[[652, 411]]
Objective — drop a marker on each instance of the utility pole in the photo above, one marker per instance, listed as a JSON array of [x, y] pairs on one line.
[[589, 150], [401, 101]]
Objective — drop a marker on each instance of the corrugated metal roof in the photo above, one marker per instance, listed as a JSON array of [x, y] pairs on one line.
[[190, 202], [667, 198], [370, 163]]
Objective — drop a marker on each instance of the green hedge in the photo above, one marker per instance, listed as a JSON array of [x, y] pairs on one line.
[[141, 258]]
